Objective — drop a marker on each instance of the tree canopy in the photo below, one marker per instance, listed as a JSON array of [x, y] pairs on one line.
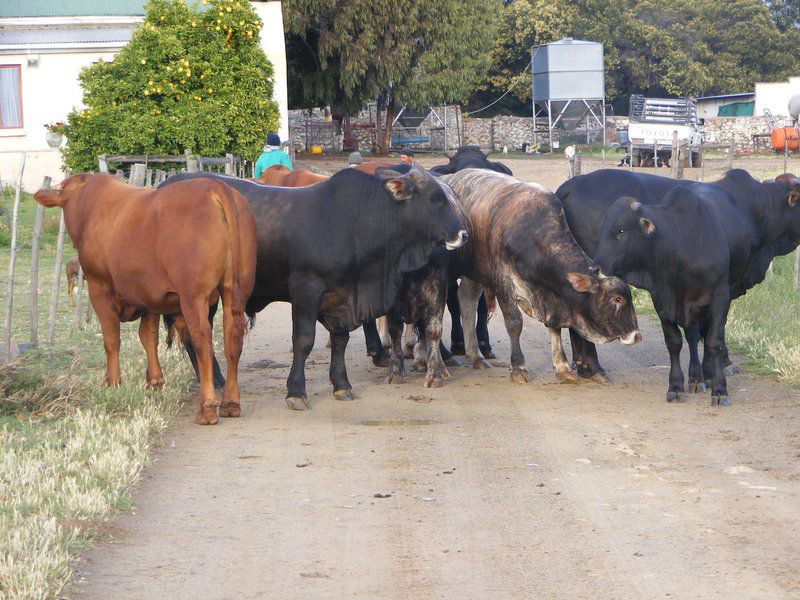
[[416, 51], [684, 47], [192, 77]]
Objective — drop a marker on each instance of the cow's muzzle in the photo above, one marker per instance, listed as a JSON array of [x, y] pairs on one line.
[[460, 240], [634, 337]]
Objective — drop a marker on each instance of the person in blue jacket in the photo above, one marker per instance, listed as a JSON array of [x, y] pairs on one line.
[[272, 155]]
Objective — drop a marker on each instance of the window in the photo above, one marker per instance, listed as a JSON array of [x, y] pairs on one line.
[[10, 96]]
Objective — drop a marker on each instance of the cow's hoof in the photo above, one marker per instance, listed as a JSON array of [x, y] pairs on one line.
[[480, 363], [732, 369], [230, 409], [419, 366], [487, 352], [380, 360], [697, 387], [408, 352], [566, 377], [207, 415], [155, 384], [434, 381], [520, 376], [394, 378], [458, 348], [601, 377], [720, 401], [453, 362], [673, 396], [297, 403], [344, 395]]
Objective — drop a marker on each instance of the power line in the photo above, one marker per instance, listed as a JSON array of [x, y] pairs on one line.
[[508, 91]]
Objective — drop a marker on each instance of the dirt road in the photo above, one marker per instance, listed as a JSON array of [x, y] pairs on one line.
[[495, 490]]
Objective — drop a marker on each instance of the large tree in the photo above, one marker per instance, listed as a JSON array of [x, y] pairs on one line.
[[190, 78], [684, 47], [345, 52]]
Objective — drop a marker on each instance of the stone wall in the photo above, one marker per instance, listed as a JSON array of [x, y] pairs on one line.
[[739, 130]]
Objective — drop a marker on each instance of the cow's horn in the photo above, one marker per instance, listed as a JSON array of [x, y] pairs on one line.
[[636, 205]]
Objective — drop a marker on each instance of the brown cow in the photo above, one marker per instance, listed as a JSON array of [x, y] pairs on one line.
[[73, 270], [174, 251], [371, 167], [285, 177]]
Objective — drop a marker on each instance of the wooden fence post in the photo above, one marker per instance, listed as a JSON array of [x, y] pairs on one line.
[[102, 165], [796, 276], [51, 319], [730, 156], [138, 174], [229, 170], [192, 163], [12, 261], [675, 154], [33, 307], [79, 301], [3, 206]]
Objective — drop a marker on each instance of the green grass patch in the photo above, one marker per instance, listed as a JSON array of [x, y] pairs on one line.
[[70, 448]]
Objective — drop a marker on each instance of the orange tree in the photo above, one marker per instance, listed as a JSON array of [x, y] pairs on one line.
[[191, 77]]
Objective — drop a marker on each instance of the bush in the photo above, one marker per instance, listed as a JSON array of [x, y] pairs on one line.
[[190, 78]]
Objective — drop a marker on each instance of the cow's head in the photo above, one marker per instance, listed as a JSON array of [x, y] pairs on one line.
[[426, 208], [64, 192], [627, 233], [607, 311]]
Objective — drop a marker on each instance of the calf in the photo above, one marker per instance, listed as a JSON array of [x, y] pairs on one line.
[[338, 252], [174, 251], [523, 253], [73, 269], [285, 177]]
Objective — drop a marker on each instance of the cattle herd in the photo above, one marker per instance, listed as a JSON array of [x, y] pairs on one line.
[[404, 243]]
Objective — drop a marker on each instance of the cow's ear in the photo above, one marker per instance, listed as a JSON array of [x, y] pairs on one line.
[[648, 227], [583, 283], [49, 198], [450, 153], [399, 189], [794, 195]]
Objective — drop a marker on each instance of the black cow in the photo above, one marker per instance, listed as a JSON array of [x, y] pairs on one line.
[[586, 201], [338, 251], [688, 251], [522, 252], [469, 157]]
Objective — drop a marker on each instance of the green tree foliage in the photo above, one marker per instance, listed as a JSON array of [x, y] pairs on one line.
[[343, 53], [682, 47], [191, 77]]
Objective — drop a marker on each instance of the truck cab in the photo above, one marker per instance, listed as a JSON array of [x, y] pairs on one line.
[[652, 123]]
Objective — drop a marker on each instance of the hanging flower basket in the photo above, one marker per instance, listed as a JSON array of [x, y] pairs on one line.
[[54, 139]]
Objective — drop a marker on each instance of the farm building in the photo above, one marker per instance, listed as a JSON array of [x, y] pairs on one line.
[[43, 46], [739, 105]]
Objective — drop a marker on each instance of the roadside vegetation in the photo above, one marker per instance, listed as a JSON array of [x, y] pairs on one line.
[[70, 448]]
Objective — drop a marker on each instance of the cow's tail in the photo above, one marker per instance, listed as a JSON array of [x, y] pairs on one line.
[[226, 198], [169, 325]]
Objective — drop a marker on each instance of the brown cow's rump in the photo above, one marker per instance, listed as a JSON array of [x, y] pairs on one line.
[[174, 251], [284, 177]]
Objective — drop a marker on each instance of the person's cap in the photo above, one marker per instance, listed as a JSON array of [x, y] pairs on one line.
[[355, 158], [273, 139], [407, 152]]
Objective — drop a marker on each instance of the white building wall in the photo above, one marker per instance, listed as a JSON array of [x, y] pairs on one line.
[[272, 42], [49, 91], [775, 97]]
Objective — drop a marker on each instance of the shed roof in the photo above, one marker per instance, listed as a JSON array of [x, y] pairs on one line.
[[70, 8]]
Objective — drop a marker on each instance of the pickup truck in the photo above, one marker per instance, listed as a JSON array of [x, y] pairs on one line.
[[652, 122]]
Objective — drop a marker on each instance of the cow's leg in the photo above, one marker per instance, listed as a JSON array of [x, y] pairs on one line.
[[730, 368], [421, 349], [715, 344], [374, 345], [563, 369], [306, 298], [436, 368], [383, 332], [468, 294], [183, 334], [342, 390], [512, 317], [696, 382], [107, 315], [70, 286], [195, 313], [148, 335], [397, 371], [674, 342], [482, 329], [584, 355], [448, 357], [409, 340], [456, 330], [234, 328]]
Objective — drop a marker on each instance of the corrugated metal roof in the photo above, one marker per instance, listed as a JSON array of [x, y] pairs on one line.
[[63, 36], [70, 8]]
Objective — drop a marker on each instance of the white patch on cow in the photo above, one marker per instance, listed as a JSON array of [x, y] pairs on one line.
[[634, 337], [460, 240]]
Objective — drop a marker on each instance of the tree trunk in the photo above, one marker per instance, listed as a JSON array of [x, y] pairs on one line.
[[387, 129], [383, 127]]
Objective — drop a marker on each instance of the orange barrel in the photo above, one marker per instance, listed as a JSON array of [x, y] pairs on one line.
[[780, 136]]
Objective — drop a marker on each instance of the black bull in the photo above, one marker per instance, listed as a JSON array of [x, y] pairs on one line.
[[587, 199], [338, 251]]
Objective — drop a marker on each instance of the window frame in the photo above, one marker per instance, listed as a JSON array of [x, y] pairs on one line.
[[21, 125]]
